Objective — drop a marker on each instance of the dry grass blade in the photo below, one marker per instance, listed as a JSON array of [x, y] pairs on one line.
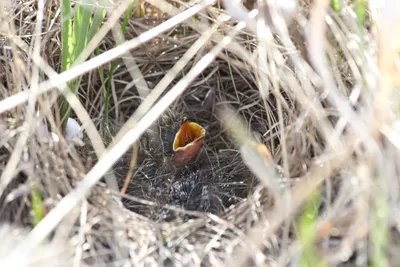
[[75, 104], [322, 171], [95, 62], [255, 155], [129, 175], [168, 78], [301, 170], [316, 48], [72, 199], [8, 173]]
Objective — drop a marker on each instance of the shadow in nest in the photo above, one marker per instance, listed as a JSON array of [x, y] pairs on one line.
[[215, 180], [218, 178]]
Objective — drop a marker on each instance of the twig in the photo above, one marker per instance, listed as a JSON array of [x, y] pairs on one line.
[[130, 171]]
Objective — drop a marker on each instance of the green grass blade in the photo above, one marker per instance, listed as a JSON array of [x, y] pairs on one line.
[[67, 50], [337, 5], [76, 34], [37, 205], [379, 231], [101, 69], [98, 19], [360, 7], [127, 16], [66, 32], [81, 27], [307, 232]]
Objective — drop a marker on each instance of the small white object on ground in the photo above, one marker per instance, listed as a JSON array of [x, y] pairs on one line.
[[73, 132]]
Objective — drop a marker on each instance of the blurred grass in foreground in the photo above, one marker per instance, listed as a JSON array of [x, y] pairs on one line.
[[76, 31], [307, 224]]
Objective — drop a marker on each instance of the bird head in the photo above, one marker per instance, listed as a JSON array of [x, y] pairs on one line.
[[187, 142]]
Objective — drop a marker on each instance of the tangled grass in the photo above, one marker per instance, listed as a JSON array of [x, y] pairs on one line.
[[301, 157]]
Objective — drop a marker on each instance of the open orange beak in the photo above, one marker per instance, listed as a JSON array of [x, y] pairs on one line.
[[187, 143]]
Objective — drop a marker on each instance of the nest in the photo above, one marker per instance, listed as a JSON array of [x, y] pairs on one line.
[[330, 192]]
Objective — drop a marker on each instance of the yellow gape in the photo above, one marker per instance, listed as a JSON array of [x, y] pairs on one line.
[[187, 143]]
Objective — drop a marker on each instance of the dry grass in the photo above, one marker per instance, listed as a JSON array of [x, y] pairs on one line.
[[301, 158]]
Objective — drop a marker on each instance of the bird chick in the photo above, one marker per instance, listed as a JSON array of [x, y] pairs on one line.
[[187, 143]]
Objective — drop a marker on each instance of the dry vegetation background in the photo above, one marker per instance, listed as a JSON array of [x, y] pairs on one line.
[[300, 165]]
